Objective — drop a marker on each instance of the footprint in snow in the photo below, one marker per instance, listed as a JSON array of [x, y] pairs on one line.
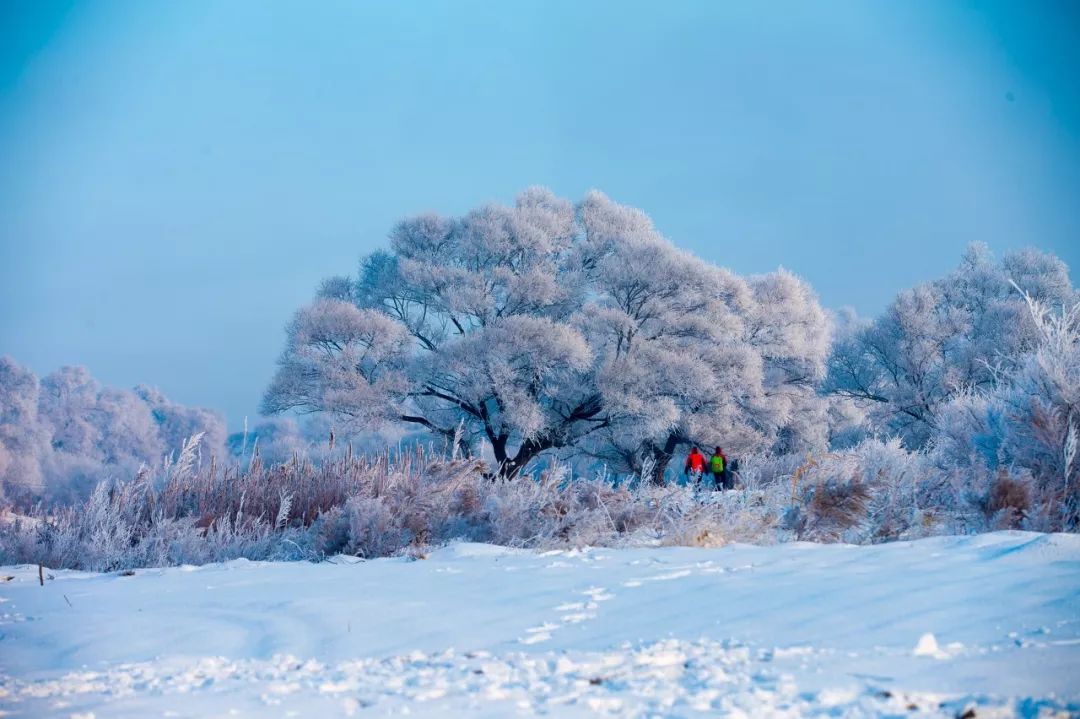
[[667, 576], [577, 617], [545, 627], [535, 635], [570, 613]]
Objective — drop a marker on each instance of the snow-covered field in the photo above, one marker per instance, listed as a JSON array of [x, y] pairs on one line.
[[960, 626]]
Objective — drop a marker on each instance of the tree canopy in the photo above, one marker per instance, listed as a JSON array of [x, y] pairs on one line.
[[551, 325]]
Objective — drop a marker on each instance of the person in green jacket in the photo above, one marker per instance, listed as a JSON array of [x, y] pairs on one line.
[[718, 469]]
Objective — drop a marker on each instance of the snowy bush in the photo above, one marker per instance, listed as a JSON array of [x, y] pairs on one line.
[[828, 509]]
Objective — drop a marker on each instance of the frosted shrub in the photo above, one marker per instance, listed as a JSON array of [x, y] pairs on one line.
[[875, 491], [759, 471], [905, 496], [554, 511], [96, 533], [828, 509], [372, 529], [1007, 501]]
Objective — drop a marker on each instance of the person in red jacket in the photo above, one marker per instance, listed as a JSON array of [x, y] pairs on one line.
[[695, 464]]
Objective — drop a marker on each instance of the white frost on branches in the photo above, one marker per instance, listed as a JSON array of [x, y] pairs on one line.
[[554, 326]]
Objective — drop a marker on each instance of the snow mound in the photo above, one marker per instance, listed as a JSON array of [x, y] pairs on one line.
[[474, 549], [927, 646]]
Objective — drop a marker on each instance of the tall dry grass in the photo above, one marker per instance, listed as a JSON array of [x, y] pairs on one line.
[[397, 502]]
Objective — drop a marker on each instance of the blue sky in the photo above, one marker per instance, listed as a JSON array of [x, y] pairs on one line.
[[175, 177]]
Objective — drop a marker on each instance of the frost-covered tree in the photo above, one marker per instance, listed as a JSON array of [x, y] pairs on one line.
[[942, 338], [92, 422], [1027, 424], [689, 353], [22, 439], [62, 434], [177, 422], [552, 326]]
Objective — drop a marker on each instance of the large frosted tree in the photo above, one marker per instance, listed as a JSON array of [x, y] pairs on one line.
[[554, 326]]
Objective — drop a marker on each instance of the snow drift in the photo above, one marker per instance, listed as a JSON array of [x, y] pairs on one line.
[[934, 627]]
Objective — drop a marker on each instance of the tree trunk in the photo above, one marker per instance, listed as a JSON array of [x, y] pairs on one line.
[[662, 458], [498, 450], [529, 449]]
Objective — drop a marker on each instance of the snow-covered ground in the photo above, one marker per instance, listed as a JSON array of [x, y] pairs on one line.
[[959, 626]]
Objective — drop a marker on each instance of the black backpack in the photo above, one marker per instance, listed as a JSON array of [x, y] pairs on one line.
[[730, 469]]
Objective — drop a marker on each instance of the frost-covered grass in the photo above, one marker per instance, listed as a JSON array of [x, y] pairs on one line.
[[792, 630], [364, 506]]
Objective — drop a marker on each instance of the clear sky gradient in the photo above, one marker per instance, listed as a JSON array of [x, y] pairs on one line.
[[175, 177]]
